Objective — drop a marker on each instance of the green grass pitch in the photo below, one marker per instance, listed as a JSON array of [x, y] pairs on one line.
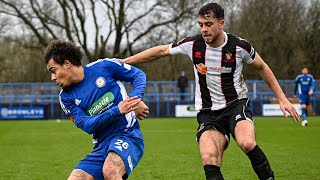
[[40, 150]]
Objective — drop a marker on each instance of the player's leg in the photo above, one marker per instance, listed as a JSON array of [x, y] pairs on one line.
[[79, 174], [243, 130], [244, 134], [124, 153], [212, 143], [306, 109], [90, 167], [304, 114], [303, 103], [113, 167]]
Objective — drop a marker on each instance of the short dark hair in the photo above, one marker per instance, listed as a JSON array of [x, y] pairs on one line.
[[211, 10], [60, 51]]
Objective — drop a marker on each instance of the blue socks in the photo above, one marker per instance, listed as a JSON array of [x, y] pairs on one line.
[[304, 114]]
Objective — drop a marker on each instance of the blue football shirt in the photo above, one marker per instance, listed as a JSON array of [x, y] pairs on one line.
[[92, 104], [303, 84]]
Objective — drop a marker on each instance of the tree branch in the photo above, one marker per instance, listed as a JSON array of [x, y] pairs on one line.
[[27, 21], [42, 19]]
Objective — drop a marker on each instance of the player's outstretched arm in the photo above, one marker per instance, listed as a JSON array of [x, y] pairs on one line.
[[137, 78], [268, 76], [148, 55]]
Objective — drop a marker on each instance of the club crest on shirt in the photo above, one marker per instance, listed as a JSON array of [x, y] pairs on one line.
[[203, 69], [100, 82], [228, 57]]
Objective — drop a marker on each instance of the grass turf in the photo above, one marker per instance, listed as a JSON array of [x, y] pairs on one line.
[[49, 150]]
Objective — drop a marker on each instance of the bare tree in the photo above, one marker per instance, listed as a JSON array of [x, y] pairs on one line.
[[169, 68], [272, 27], [96, 25], [285, 33], [4, 23], [311, 38]]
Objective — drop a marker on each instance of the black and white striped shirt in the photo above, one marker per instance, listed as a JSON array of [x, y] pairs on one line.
[[218, 71]]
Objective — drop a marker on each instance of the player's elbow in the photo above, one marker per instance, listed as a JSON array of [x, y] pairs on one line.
[[86, 126], [141, 76], [163, 50]]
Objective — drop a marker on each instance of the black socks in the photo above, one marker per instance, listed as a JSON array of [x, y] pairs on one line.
[[260, 164], [213, 172]]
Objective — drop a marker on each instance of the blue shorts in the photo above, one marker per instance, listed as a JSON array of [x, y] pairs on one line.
[[128, 148], [304, 99]]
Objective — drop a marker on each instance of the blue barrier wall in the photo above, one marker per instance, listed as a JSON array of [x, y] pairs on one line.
[[160, 96]]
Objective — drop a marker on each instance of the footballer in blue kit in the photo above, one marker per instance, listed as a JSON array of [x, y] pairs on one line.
[[304, 88], [95, 99]]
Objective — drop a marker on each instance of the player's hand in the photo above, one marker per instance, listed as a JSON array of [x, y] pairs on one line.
[[129, 104], [310, 92], [288, 109], [143, 110]]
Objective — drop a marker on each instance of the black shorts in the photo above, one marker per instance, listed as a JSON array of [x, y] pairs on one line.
[[224, 120]]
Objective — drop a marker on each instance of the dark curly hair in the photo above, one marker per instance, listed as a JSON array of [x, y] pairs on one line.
[[211, 10], [60, 51]]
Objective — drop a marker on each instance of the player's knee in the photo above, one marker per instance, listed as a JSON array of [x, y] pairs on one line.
[[247, 145], [110, 172], [211, 158]]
